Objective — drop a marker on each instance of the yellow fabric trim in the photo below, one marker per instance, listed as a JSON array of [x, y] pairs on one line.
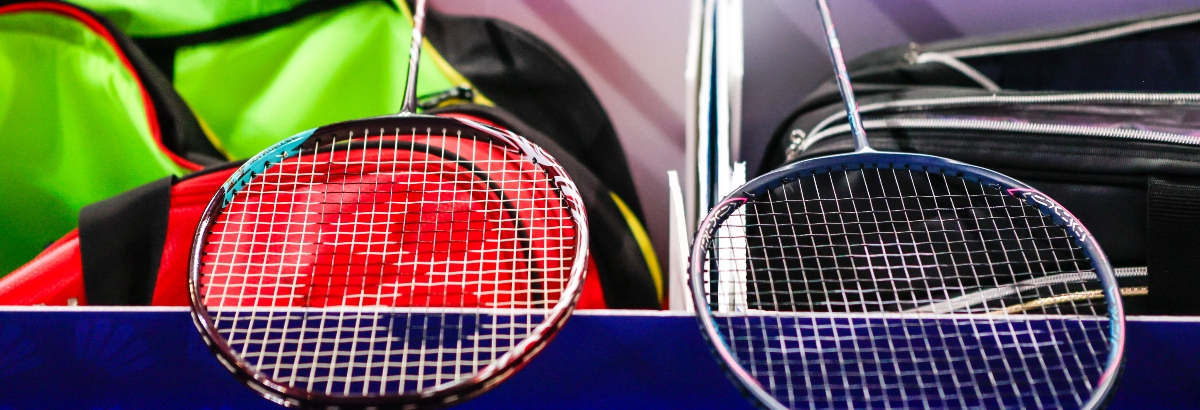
[[643, 240], [454, 76], [444, 66], [212, 136]]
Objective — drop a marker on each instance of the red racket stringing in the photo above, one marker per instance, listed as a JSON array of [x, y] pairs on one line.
[[469, 226], [395, 260]]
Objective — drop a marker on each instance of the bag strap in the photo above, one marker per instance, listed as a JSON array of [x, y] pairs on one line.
[[120, 244], [1173, 246]]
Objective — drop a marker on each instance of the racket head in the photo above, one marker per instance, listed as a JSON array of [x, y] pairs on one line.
[[498, 169], [827, 321]]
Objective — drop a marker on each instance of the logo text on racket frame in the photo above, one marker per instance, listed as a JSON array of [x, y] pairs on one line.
[[1068, 220]]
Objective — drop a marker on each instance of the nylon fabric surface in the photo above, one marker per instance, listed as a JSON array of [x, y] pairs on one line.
[[627, 268], [120, 242], [151, 18], [529, 79], [330, 67], [66, 97], [272, 77]]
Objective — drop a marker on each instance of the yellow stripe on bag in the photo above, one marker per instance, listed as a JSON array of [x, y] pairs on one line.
[[211, 136], [454, 76], [643, 240]]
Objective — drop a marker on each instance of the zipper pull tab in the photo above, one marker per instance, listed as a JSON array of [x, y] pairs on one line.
[[462, 92], [793, 149], [914, 52]]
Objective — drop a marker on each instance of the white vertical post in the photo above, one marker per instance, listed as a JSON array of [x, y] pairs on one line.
[[705, 140], [733, 54], [691, 75], [679, 290]]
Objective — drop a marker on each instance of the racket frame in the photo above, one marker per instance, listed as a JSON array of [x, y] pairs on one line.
[[875, 159], [443, 394]]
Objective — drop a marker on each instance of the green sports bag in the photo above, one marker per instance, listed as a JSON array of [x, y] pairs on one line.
[[84, 115], [256, 72]]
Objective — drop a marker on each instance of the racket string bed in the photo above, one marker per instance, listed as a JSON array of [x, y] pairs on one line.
[[354, 350], [406, 260], [891, 287], [418, 223]]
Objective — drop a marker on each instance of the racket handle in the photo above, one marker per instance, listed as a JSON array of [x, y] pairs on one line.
[[843, 79], [409, 105]]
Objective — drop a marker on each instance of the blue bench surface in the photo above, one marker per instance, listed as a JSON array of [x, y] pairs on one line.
[[92, 358]]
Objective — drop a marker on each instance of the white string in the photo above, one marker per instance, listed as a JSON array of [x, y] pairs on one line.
[[887, 288], [471, 244]]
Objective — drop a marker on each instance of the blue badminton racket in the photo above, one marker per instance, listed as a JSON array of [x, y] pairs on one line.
[[895, 280]]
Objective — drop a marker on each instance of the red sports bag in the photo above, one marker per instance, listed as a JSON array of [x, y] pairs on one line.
[[133, 249]]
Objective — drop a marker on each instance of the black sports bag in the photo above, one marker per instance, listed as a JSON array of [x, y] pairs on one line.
[[1105, 119]]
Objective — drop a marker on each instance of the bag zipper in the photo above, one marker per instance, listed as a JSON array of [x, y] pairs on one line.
[[800, 141], [436, 100], [105, 31], [979, 297], [1072, 40]]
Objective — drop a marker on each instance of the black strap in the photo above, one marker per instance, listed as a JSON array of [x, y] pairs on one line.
[[120, 243], [1173, 246]]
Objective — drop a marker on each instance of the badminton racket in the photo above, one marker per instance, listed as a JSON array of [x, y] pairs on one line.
[[896, 280], [401, 261]]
